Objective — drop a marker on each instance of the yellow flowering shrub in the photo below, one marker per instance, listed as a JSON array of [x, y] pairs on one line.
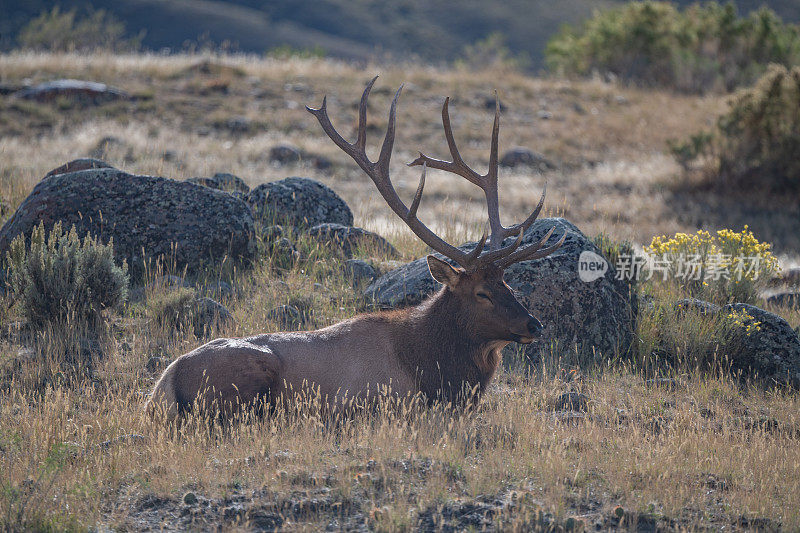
[[742, 321], [725, 266]]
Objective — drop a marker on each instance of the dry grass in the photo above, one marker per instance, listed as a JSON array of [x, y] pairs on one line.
[[694, 451], [608, 140]]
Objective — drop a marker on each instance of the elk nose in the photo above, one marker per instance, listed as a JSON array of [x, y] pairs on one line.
[[534, 326]]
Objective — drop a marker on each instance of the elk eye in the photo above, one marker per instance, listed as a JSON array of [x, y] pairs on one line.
[[484, 296]]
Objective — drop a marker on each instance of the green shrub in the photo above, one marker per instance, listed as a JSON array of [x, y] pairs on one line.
[[703, 47], [759, 136], [60, 278], [492, 53], [286, 51], [59, 31], [755, 144], [698, 146]]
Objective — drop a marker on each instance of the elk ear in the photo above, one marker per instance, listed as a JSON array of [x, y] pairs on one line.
[[443, 272]]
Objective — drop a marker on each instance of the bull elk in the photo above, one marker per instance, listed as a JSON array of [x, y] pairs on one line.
[[449, 344]]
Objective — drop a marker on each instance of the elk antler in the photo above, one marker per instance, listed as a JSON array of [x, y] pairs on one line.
[[503, 256], [378, 171]]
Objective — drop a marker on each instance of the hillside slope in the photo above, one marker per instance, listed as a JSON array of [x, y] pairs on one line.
[[434, 30]]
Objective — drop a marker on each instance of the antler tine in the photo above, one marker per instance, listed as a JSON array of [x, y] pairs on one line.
[[457, 165], [493, 157], [533, 251], [532, 217], [378, 172], [487, 182], [362, 115], [473, 255], [412, 211], [502, 252]]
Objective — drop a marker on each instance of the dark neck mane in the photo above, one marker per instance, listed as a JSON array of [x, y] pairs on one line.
[[445, 354]]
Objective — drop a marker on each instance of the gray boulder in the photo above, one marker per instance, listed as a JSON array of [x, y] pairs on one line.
[[699, 306], [88, 92], [299, 202], [286, 316], [786, 299], [203, 182], [525, 157], [792, 276], [770, 349], [345, 240], [755, 342], [113, 149], [597, 316], [222, 181], [84, 163], [359, 271], [208, 314], [148, 217], [230, 182], [285, 154]]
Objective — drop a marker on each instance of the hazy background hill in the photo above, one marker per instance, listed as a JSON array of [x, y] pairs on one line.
[[433, 30]]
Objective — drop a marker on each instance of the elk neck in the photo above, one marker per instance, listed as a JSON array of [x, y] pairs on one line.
[[440, 345]]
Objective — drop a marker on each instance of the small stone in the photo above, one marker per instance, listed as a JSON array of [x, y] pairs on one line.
[[217, 289], [286, 316], [489, 102], [87, 92], [525, 157], [791, 276], [571, 401], [345, 240], [239, 125], [285, 154], [299, 202], [84, 163], [788, 300], [208, 314], [230, 183], [320, 162], [359, 271], [699, 306], [112, 148]]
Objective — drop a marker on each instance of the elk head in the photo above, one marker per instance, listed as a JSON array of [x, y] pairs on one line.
[[477, 282]]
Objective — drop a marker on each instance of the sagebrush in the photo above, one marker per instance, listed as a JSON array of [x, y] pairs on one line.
[[701, 48], [68, 31], [60, 277], [754, 145]]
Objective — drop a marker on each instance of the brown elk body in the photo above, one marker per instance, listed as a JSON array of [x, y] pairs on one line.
[[447, 348]]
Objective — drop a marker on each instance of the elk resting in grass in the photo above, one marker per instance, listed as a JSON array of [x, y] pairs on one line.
[[447, 348]]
